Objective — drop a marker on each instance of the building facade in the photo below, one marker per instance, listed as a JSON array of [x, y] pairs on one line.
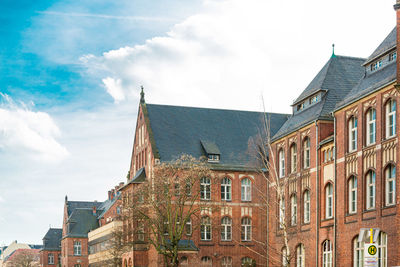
[[50, 254]]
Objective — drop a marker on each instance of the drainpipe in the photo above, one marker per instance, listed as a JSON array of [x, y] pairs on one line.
[[317, 192], [335, 188], [267, 191]]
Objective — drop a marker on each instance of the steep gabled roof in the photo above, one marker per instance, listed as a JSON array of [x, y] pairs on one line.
[[52, 239], [81, 221], [181, 130], [337, 77], [388, 43], [375, 80], [72, 205]]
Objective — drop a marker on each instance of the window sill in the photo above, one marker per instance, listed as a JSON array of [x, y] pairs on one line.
[[388, 206], [246, 200], [369, 210], [350, 214], [327, 219]]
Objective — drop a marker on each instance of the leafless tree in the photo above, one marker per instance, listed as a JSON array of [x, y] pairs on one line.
[[168, 204], [24, 258]]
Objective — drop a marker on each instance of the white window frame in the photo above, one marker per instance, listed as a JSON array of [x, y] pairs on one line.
[[293, 158], [246, 189], [226, 189], [352, 185], [371, 126], [281, 163], [188, 227], [50, 258], [293, 209], [358, 251], [205, 229], [327, 254], [306, 153], [329, 201], [205, 188], [226, 261], [307, 203], [77, 248], [226, 229], [246, 229], [206, 261], [300, 256], [390, 188], [371, 190], [353, 123], [285, 260], [247, 261], [390, 118]]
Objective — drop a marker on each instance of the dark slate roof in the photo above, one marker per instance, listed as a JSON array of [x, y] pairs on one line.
[[180, 130], [338, 76], [108, 204], [81, 221], [387, 44], [52, 239], [72, 205]]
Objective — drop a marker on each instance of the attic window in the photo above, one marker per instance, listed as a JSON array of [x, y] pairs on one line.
[[376, 65], [392, 56], [213, 157], [300, 106], [314, 99]]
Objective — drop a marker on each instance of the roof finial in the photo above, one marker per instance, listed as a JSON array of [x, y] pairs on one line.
[[141, 95], [333, 50]]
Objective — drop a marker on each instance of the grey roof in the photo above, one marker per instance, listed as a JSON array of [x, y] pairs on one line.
[[388, 43], [177, 130], [108, 204], [72, 205], [81, 221], [52, 239], [337, 77]]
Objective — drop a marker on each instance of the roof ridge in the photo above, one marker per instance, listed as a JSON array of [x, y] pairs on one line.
[[220, 109], [351, 57]]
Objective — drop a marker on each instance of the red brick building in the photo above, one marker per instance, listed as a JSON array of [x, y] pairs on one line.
[[226, 138], [50, 254]]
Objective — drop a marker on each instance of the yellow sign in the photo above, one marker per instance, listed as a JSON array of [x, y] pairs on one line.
[[372, 250]]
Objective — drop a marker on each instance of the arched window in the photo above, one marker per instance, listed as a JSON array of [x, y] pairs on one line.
[[390, 188], [226, 262], [390, 118], [300, 256], [327, 254], [226, 189], [370, 188], [205, 228], [293, 209], [358, 251], [353, 134], [281, 163], [184, 261], [246, 229], [281, 213], [371, 126], [285, 260], [306, 199], [306, 153], [293, 158], [248, 262], [205, 188], [352, 185], [329, 201], [206, 261], [226, 229], [246, 189]]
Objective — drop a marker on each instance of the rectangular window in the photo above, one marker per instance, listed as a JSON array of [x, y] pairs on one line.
[[390, 118], [353, 134], [77, 248], [50, 258]]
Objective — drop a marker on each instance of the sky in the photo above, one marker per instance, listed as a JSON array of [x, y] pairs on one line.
[[71, 71]]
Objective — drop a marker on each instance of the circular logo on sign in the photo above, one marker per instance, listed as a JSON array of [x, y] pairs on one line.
[[372, 250]]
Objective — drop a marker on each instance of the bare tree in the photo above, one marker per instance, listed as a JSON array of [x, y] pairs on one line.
[[168, 204], [24, 258]]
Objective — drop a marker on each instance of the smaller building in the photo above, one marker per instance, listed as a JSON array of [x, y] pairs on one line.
[[50, 255], [23, 257]]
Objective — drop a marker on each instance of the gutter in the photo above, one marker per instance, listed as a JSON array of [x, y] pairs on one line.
[[335, 192], [317, 195]]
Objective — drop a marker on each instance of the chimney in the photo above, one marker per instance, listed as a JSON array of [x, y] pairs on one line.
[[121, 184], [109, 195], [112, 194], [397, 8], [94, 210]]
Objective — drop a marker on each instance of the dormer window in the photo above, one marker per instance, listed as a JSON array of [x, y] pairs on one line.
[[314, 99], [392, 56], [376, 65], [300, 106], [213, 158]]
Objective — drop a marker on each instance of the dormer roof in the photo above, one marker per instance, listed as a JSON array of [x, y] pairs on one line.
[[388, 44]]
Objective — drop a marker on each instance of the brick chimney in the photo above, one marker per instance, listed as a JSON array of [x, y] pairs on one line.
[[109, 195], [397, 8], [94, 210]]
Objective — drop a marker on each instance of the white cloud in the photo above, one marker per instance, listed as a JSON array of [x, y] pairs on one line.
[[28, 132], [114, 88], [234, 51]]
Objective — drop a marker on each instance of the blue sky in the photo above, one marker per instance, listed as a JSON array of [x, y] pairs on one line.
[[71, 73]]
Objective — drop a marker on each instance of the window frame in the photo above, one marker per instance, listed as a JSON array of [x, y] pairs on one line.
[[226, 189], [281, 212], [281, 155], [293, 158], [352, 194], [390, 110], [50, 258], [390, 178], [300, 256], [246, 229], [370, 190], [226, 228], [206, 229], [327, 253], [307, 206], [371, 126], [77, 248], [246, 189], [329, 201], [306, 153], [293, 210], [353, 131], [205, 188]]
